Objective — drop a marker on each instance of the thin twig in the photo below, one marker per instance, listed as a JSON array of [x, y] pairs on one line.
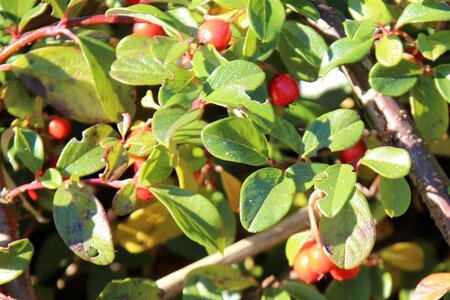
[[172, 284], [395, 127]]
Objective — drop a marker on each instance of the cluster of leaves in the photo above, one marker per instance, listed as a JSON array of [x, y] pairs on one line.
[[88, 80]]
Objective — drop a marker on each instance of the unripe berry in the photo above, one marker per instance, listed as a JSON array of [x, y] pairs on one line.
[[148, 29], [143, 194], [215, 32], [283, 90], [319, 262], [354, 153], [59, 128], [343, 274], [302, 266]]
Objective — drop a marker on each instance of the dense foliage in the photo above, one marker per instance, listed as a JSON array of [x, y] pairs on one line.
[[137, 137]]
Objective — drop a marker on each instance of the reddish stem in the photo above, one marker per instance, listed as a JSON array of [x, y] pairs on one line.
[[56, 29], [23, 188]]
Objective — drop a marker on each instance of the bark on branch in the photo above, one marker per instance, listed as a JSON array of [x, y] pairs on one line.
[[395, 127]]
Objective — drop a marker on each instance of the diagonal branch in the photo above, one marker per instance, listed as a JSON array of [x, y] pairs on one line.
[[395, 127]]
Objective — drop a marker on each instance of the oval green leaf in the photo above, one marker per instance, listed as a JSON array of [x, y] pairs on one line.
[[429, 109], [197, 217], [442, 80], [266, 18], [82, 223], [374, 10], [266, 197], [389, 51], [390, 162], [395, 195], [304, 174], [235, 139], [28, 147], [349, 236], [131, 288], [166, 121], [51, 179], [241, 73], [337, 182], [394, 81], [157, 167], [431, 11], [14, 259], [337, 130], [124, 199]]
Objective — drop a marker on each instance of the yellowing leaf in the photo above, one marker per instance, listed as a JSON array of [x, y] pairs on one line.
[[433, 286], [232, 187], [405, 256], [145, 228]]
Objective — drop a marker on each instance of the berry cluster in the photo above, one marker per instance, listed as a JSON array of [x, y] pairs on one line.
[[312, 264]]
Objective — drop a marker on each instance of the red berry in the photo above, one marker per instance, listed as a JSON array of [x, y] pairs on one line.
[[343, 274], [318, 261], [302, 266], [148, 29], [215, 32], [133, 2], [33, 195], [354, 153], [59, 128], [197, 175], [136, 166], [143, 194], [283, 90]]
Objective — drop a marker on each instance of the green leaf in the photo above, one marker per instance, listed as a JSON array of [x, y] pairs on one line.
[[157, 167], [356, 288], [302, 291], [134, 44], [99, 57], [31, 14], [62, 77], [182, 90], [206, 59], [305, 41], [17, 8], [337, 130], [226, 212], [442, 80], [147, 13], [130, 288], [345, 51], [81, 158], [305, 174], [429, 108], [82, 223], [374, 10], [244, 74], [266, 197], [124, 199], [16, 90], [337, 182], [389, 51], [141, 69], [190, 134], [235, 139], [116, 159], [380, 282], [51, 179], [394, 81], [167, 49], [295, 63], [14, 259], [430, 11], [266, 18], [434, 45], [388, 161], [294, 243], [284, 131], [208, 282], [275, 294], [395, 195], [359, 29], [29, 149], [167, 121], [197, 217], [349, 236], [261, 114], [303, 7]]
